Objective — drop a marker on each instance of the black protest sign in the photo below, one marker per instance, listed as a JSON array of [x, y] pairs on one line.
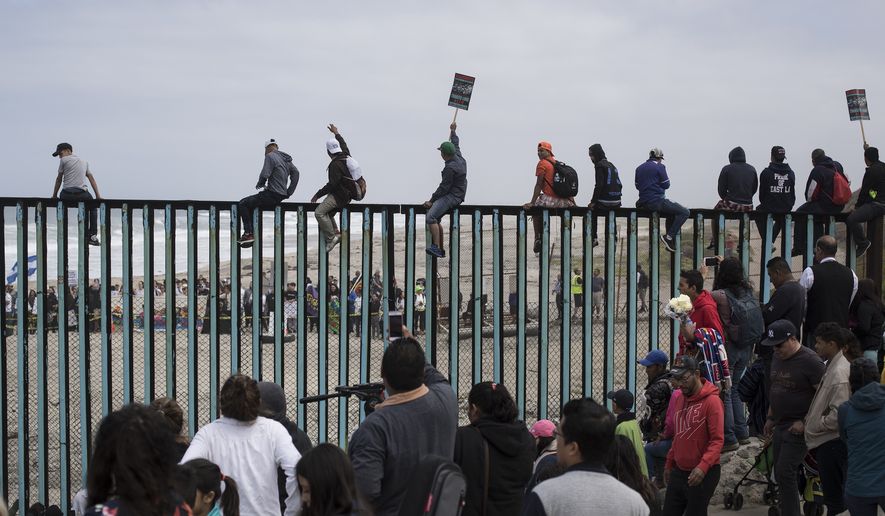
[[462, 89], [857, 105]]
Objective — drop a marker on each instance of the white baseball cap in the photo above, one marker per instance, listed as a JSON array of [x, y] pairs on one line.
[[270, 142], [333, 146]]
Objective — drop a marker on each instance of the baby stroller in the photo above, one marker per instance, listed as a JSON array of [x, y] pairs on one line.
[[809, 485], [764, 464]]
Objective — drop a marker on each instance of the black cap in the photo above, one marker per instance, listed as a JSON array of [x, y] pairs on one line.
[[622, 397], [778, 332], [778, 152], [686, 365], [60, 147]]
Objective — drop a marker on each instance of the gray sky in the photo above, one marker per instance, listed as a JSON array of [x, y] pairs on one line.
[[174, 99]]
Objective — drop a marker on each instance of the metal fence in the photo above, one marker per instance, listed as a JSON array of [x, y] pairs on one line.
[[167, 317]]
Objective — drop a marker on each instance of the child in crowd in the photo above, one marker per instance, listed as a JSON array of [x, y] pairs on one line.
[[199, 483], [327, 485]]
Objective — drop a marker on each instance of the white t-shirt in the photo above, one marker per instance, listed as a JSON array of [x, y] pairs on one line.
[[74, 171], [250, 453]]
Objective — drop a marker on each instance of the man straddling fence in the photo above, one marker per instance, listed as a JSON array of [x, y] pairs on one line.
[[607, 192], [737, 185], [278, 169], [543, 195], [871, 200], [651, 181], [73, 172], [339, 191], [777, 191], [450, 193]]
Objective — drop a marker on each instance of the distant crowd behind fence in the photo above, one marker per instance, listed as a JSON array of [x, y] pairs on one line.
[[60, 375]]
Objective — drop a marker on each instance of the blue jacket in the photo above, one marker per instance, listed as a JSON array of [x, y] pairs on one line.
[[651, 181], [862, 427]]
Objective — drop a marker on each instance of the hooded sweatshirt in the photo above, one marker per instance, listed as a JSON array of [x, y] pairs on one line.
[[777, 188], [607, 191], [511, 456], [819, 186], [862, 427], [277, 171], [704, 314], [872, 189], [737, 180], [454, 174], [699, 430]]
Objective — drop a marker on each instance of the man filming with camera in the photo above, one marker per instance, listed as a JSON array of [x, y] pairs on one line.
[[418, 418]]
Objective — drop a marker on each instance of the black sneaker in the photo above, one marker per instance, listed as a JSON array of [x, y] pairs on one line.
[[669, 243], [247, 240], [862, 248], [93, 240], [537, 247], [711, 246], [595, 242]]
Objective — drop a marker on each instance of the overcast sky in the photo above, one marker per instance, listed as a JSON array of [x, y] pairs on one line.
[[174, 99]]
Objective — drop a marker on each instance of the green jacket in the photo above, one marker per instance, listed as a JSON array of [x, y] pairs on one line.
[[629, 428]]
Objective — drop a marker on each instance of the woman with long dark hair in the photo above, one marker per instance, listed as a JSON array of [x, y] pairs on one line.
[[133, 465], [623, 464], [867, 319], [199, 483], [327, 485], [495, 452], [733, 294], [174, 416], [250, 448]]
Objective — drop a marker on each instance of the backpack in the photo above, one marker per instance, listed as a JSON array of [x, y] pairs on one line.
[[841, 189], [565, 180], [438, 488], [354, 168], [747, 325]]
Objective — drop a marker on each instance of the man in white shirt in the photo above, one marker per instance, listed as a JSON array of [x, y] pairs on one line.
[[830, 288], [73, 172]]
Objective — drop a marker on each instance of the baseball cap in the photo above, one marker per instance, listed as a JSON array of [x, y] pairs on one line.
[[656, 153], [546, 146], [270, 142], [687, 365], [447, 148], [778, 152], [543, 428], [655, 356], [333, 147], [778, 332], [60, 147], [622, 397]]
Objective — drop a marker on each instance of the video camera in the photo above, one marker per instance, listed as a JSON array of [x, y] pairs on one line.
[[369, 393]]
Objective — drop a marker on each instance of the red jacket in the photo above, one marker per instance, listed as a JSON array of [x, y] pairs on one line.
[[704, 314], [700, 430]]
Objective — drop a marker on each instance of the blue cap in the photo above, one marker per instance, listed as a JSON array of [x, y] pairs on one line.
[[655, 356]]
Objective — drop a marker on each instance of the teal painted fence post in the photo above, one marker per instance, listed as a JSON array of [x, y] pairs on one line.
[[215, 314], [171, 309], [64, 407], [128, 347], [42, 359], [24, 433], [192, 372], [147, 219]]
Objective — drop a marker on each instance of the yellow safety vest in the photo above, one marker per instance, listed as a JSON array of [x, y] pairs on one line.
[[577, 288]]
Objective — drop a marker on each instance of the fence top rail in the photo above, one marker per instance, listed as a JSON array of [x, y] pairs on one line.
[[464, 209]]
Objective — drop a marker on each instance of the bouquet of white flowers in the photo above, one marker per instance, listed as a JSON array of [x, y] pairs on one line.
[[678, 308]]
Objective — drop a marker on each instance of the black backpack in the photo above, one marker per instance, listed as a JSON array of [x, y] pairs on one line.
[[747, 326], [565, 180], [613, 185], [438, 488]]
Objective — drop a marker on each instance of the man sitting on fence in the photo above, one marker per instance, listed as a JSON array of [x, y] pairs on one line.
[[278, 169], [651, 181], [871, 200], [737, 185]]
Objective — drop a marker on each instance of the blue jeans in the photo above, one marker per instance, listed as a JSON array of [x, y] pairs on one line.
[[656, 457], [440, 207], [674, 214], [735, 412]]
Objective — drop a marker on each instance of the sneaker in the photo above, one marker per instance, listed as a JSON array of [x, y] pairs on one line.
[[93, 240], [669, 243], [711, 246], [595, 242], [332, 243], [433, 250], [537, 247], [730, 447], [862, 248], [246, 240]]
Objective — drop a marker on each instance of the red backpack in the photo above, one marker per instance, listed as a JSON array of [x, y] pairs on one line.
[[841, 189]]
